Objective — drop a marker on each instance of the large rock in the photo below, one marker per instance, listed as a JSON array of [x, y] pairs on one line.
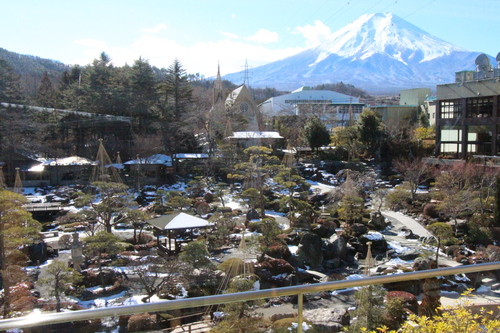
[[359, 229], [252, 214], [422, 264], [275, 273], [377, 221], [335, 248], [410, 254], [328, 320], [379, 244], [310, 250]]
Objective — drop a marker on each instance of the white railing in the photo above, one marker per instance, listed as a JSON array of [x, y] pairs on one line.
[[62, 317]]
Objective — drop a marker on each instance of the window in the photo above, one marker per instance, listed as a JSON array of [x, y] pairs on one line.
[[479, 140], [451, 139], [451, 109], [479, 107], [308, 101]]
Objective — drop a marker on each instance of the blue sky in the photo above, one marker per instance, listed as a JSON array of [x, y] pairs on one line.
[[201, 33]]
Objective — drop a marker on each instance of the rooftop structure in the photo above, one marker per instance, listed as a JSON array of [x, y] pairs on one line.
[[468, 112], [334, 108]]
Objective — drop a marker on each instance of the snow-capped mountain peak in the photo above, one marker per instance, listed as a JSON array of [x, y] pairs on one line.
[[385, 34], [376, 52]]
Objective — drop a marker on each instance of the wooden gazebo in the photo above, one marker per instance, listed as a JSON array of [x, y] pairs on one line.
[[177, 227]]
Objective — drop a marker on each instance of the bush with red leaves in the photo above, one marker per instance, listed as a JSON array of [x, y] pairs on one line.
[[141, 322], [409, 300]]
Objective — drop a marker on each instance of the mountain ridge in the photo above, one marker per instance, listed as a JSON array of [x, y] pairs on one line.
[[376, 52]]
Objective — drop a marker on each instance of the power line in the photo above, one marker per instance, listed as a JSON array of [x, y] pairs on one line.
[[366, 11], [416, 10]]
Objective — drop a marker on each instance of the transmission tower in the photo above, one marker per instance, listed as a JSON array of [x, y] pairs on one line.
[[246, 75]]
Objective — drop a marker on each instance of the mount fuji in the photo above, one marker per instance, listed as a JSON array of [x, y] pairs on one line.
[[380, 53]]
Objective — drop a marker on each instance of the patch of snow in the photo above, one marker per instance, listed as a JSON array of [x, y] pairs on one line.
[[397, 262], [113, 300], [349, 277], [137, 299], [374, 235], [483, 289], [305, 327], [396, 246], [461, 277]]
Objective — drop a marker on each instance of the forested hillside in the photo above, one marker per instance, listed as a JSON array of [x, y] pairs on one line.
[[167, 110], [32, 68]]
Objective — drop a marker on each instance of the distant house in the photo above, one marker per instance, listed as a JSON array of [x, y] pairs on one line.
[[155, 169], [10, 161], [186, 163], [55, 172], [334, 108], [255, 138], [411, 103]]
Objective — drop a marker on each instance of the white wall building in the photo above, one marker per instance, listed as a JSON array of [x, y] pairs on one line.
[[324, 103]]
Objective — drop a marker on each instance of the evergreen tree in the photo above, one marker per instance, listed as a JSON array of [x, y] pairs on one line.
[[175, 99], [95, 246], [10, 84], [370, 131], [100, 87], [316, 133], [45, 95], [496, 209], [142, 93], [369, 311], [59, 277], [17, 230]]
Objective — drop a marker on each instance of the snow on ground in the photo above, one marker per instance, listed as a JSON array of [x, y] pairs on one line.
[[374, 235], [322, 187], [398, 262], [102, 302], [349, 277], [396, 246], [137, 299]]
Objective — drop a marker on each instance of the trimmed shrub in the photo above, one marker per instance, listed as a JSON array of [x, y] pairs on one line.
[[141, 322]]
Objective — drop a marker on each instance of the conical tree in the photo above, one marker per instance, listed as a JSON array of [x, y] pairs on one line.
[[10, 84], [45, 95], [316, 133]]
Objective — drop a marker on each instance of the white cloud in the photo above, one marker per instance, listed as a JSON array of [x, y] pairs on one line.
[[314, 34], [156, 29], [264, 36], [201, 57], [92, 43], [229, 35]]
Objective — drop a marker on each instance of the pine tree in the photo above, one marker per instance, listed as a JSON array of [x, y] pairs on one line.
[[316, 133], [17, 230], [175, 99], [45, 95], [496, 213], [10, 84]]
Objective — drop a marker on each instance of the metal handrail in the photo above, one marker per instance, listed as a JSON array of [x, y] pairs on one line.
[[61, 317]]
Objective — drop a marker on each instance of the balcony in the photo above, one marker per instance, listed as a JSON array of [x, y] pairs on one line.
[[37, 320]]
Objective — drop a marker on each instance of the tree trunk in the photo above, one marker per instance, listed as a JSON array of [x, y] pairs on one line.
[[437, 251], [5, 277], [6, 288], [56, 295]]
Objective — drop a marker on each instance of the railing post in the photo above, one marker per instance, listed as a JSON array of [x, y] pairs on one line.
[[300, 305]]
